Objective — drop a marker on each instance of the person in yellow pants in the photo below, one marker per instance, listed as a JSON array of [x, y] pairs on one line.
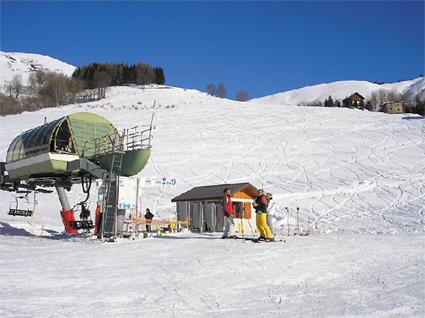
[[260, 206], [263, 227]]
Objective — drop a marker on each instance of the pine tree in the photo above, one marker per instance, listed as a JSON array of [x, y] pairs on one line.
[[159, 76], [369, 105], [347, 102], [329, 102], [326, 103]]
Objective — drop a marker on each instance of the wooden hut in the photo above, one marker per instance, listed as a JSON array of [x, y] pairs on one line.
[[202, 207], [356, 98]]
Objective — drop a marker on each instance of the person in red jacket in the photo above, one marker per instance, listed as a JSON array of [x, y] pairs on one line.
[[229, 223]]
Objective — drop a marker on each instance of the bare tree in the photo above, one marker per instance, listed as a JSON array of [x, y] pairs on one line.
[[54, 90], [101, 80], [211, 89], [41, 77], [382, 96], [8, 87], [75, 86], [9, 105], [33, 84], [242, 96], [17, 85], [394, 96], [221, 91], [145, 74]]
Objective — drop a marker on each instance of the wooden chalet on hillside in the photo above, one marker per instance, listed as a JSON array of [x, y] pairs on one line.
[[356, 98]]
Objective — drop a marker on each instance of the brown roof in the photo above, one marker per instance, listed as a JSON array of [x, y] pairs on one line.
[[356, 96], [212, 192]]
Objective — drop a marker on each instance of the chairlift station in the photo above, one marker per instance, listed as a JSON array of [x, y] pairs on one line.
[[76, 149]]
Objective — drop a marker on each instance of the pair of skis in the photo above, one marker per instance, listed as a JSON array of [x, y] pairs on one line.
[[256, 240]]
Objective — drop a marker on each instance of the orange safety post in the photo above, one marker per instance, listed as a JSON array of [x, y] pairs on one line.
[[97, 220]]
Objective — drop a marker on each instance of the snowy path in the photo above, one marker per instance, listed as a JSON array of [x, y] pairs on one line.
[[200, 275]]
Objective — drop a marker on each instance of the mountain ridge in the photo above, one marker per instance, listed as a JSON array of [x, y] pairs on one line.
[[23, 64], [341, 89]]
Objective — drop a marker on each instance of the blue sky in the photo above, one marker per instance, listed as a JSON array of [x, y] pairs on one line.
[[261, 47]]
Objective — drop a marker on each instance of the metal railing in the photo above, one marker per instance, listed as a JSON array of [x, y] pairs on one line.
[[138, 137], [135, 138]]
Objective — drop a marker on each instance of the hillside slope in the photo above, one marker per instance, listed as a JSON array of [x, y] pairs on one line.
[[341, 89], [415, 90], [347, 170], [24, 64]]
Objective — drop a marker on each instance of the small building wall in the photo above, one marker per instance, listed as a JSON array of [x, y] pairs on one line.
[[394, 108], [207, 216]]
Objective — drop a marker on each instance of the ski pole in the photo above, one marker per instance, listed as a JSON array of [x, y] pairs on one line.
[[298, 221], [287, 218], [250, 226]]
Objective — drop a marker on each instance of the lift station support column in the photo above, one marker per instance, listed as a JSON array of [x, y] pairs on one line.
[[67, 213]]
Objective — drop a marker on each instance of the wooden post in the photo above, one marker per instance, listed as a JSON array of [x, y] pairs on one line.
[[137, 196]]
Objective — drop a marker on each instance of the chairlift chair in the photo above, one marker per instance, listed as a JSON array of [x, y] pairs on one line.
[[85, 223], [16, 211]]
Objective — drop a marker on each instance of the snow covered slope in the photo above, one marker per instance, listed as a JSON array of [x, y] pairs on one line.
[[417, 89], [24, 64], [339, 90], [358, 178], [347, 170]]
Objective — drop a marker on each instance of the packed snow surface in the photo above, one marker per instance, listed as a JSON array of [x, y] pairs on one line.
[[23, 64], [189, 275], [358, 178]]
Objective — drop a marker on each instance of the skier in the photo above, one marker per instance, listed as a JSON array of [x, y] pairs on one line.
[[260, 205], [148, 217], [229, 223]]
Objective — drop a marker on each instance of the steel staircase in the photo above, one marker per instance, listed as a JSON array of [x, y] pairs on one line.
[[109, 193]]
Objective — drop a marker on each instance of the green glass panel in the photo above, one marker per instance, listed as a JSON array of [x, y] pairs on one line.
[[88, 131]]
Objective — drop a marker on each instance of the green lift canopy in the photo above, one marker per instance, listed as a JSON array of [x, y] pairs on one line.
[[82, 134], [47, 150]]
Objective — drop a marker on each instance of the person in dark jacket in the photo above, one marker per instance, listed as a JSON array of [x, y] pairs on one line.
[[260, 205], [148, 217], [229, 223]]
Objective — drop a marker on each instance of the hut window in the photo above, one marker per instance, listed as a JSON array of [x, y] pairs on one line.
[[242, 210], [237, 210], [238, 207]]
